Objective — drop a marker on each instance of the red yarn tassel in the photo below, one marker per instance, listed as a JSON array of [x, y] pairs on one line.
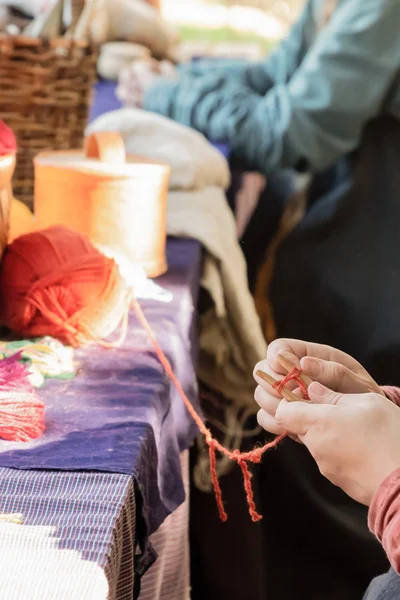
[[21, 411], [217, 488], [255, 516]]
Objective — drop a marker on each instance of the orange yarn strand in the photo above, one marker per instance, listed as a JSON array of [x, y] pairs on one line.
[[242, 458], [217, 488], [249, 491]]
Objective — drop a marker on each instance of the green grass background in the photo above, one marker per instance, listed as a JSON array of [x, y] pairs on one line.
[[225, 34]]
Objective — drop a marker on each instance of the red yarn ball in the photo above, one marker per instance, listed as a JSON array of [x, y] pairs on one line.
[[55, 282], [8, 143]]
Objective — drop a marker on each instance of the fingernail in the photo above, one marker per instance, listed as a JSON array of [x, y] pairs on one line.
[[318, 389]]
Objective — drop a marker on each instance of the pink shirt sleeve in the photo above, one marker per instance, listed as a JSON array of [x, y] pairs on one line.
[[393, 393], [384, 517]]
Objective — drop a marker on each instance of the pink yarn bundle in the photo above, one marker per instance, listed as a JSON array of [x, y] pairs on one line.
[[21, 410], [8, 143]]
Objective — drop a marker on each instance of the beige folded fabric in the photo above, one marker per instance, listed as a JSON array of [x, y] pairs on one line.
[[231, 340], [115, 56], [194, 162]]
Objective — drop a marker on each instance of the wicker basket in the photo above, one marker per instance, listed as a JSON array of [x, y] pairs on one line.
[[45, 96]]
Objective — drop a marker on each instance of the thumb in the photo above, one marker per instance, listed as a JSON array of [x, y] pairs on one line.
[[295, 417], [334, 375], [319, 394]]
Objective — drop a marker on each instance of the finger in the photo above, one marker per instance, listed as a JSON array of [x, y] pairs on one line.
[[268, 423], [167, 69], [295, 350], [298, 417], [334, 375], [142, 72], [268, 402], [320, 394]]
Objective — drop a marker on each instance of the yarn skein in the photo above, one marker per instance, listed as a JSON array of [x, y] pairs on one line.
[[56, 283], [21, 410]]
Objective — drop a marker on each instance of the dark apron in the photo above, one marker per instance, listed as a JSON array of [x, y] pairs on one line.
[[337, 276], [337, 281]]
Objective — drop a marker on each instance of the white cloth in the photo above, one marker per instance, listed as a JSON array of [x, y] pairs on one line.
[[231, 340], [194, 162], [34, 567], [132, 21]]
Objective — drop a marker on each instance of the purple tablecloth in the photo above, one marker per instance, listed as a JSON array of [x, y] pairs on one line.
[[104, 99], [120, 414]]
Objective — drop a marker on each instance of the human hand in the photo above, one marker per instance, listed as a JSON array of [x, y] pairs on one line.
[[354, 438], [136, 79], [333, 368]]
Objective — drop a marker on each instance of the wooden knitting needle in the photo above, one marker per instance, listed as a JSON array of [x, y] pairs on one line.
[[287, 394], [288, 366]]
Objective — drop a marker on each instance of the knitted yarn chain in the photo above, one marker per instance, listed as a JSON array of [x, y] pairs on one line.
[[242, 458]]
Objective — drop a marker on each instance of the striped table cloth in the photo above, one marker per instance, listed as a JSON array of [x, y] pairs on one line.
[[78, 539]]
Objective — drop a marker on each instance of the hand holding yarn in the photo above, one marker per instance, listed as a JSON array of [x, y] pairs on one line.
[[325, 364], [136, 79], [354, 438]]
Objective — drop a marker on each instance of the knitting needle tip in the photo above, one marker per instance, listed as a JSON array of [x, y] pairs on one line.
[[286, 364], [287, 394]]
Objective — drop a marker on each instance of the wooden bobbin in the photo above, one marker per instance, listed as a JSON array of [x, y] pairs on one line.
[[106, 146], [118, 201]]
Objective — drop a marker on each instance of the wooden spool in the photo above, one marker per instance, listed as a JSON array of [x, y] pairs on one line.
[[119, 202]]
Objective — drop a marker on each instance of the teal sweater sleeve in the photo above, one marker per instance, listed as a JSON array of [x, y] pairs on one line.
[[278, 67], [314, 117]]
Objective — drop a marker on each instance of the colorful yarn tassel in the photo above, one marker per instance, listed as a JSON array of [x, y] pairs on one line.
[[21, 411]]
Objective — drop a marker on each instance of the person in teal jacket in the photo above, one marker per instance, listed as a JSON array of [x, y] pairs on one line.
[[302, 108], [326, 102], [305, 106]]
